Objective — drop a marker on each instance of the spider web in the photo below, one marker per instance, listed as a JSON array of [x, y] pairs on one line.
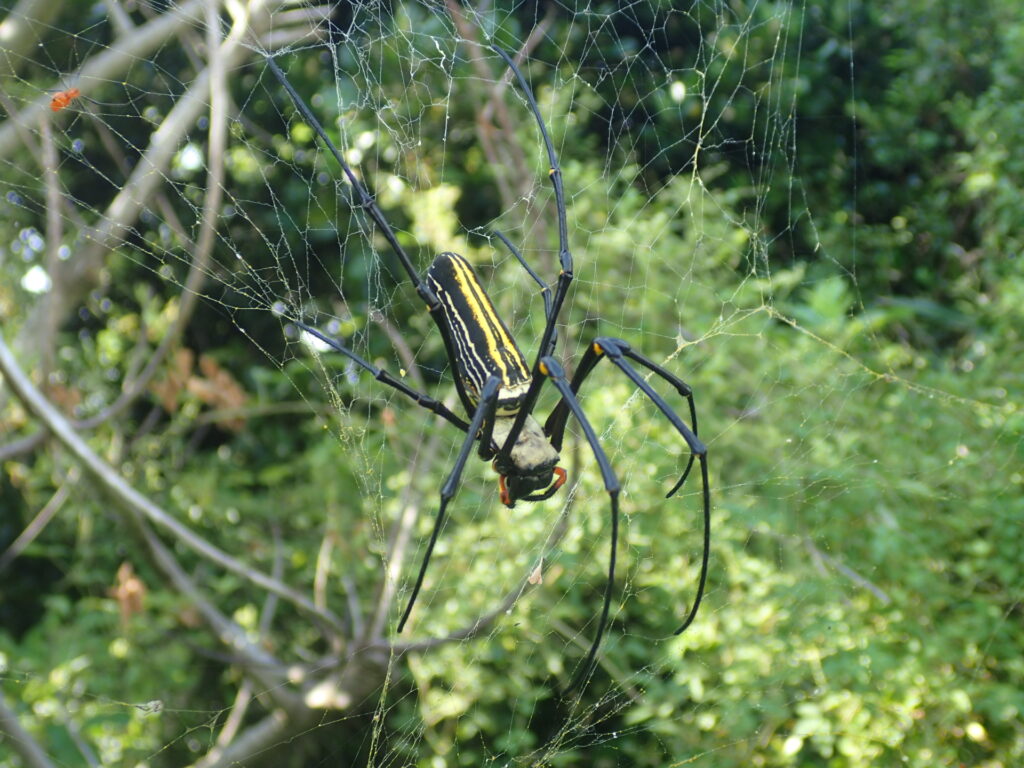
[[694, 239]]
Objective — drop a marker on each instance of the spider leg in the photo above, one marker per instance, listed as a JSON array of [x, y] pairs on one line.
[[361, 197], [617, 350], [485, 451], [547, 343], [683, 389], [545, 290], [426, 401], [554, 427], [550, 367], [485, 411]]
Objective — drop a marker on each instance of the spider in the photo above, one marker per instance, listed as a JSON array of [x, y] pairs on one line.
[[499, 391]]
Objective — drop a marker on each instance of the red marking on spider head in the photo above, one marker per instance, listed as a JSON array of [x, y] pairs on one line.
[[506, 497]]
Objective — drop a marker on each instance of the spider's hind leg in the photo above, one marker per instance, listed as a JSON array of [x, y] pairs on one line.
[[681, 387], [484, 413]]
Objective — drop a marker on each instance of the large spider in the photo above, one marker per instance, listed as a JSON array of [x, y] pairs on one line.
[[497, 389]]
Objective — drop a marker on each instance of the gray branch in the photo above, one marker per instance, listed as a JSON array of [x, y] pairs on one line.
[[20, 740], [131, 499]]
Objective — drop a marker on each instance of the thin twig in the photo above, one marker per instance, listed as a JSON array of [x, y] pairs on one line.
[[276, 571], [119, 18], [401, 346], [258, 663], [41, 520], [23, 445], [822, 559], [245, 691], [507, 149], [847, 571], [274, 729], [113, 146], [54, 236], [243, 697], [75, 733], [355, 612], [485, 130], [322, 570]]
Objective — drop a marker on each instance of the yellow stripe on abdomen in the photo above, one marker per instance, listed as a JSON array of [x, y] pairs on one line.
[[481, 344]]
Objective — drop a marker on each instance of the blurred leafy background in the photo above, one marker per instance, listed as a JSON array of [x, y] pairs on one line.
[[808, 211]]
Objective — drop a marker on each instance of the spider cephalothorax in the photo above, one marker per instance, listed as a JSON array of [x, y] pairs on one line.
[[530, 466], [499, 391]]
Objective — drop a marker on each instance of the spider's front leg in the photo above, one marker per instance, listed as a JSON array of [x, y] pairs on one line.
[[484, 413]]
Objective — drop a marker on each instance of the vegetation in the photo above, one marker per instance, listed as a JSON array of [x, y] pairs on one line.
[[810, 213]]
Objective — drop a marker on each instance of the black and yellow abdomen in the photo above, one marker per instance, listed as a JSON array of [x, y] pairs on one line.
[[479, 343]]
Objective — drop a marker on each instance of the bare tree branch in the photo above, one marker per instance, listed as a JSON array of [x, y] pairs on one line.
[[131, 499], [275, 728], [81, 273], [20, 740], [260, 664], [21, 30]]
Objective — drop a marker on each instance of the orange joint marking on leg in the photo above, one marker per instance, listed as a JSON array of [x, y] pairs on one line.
[[597, 348], [544, 369]]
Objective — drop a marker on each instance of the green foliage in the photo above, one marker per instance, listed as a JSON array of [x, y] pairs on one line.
[[843, 291]]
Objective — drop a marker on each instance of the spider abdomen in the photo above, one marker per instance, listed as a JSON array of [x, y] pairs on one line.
[[478, 341]]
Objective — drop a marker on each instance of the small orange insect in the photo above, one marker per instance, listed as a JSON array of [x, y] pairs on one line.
[[62, 99]]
